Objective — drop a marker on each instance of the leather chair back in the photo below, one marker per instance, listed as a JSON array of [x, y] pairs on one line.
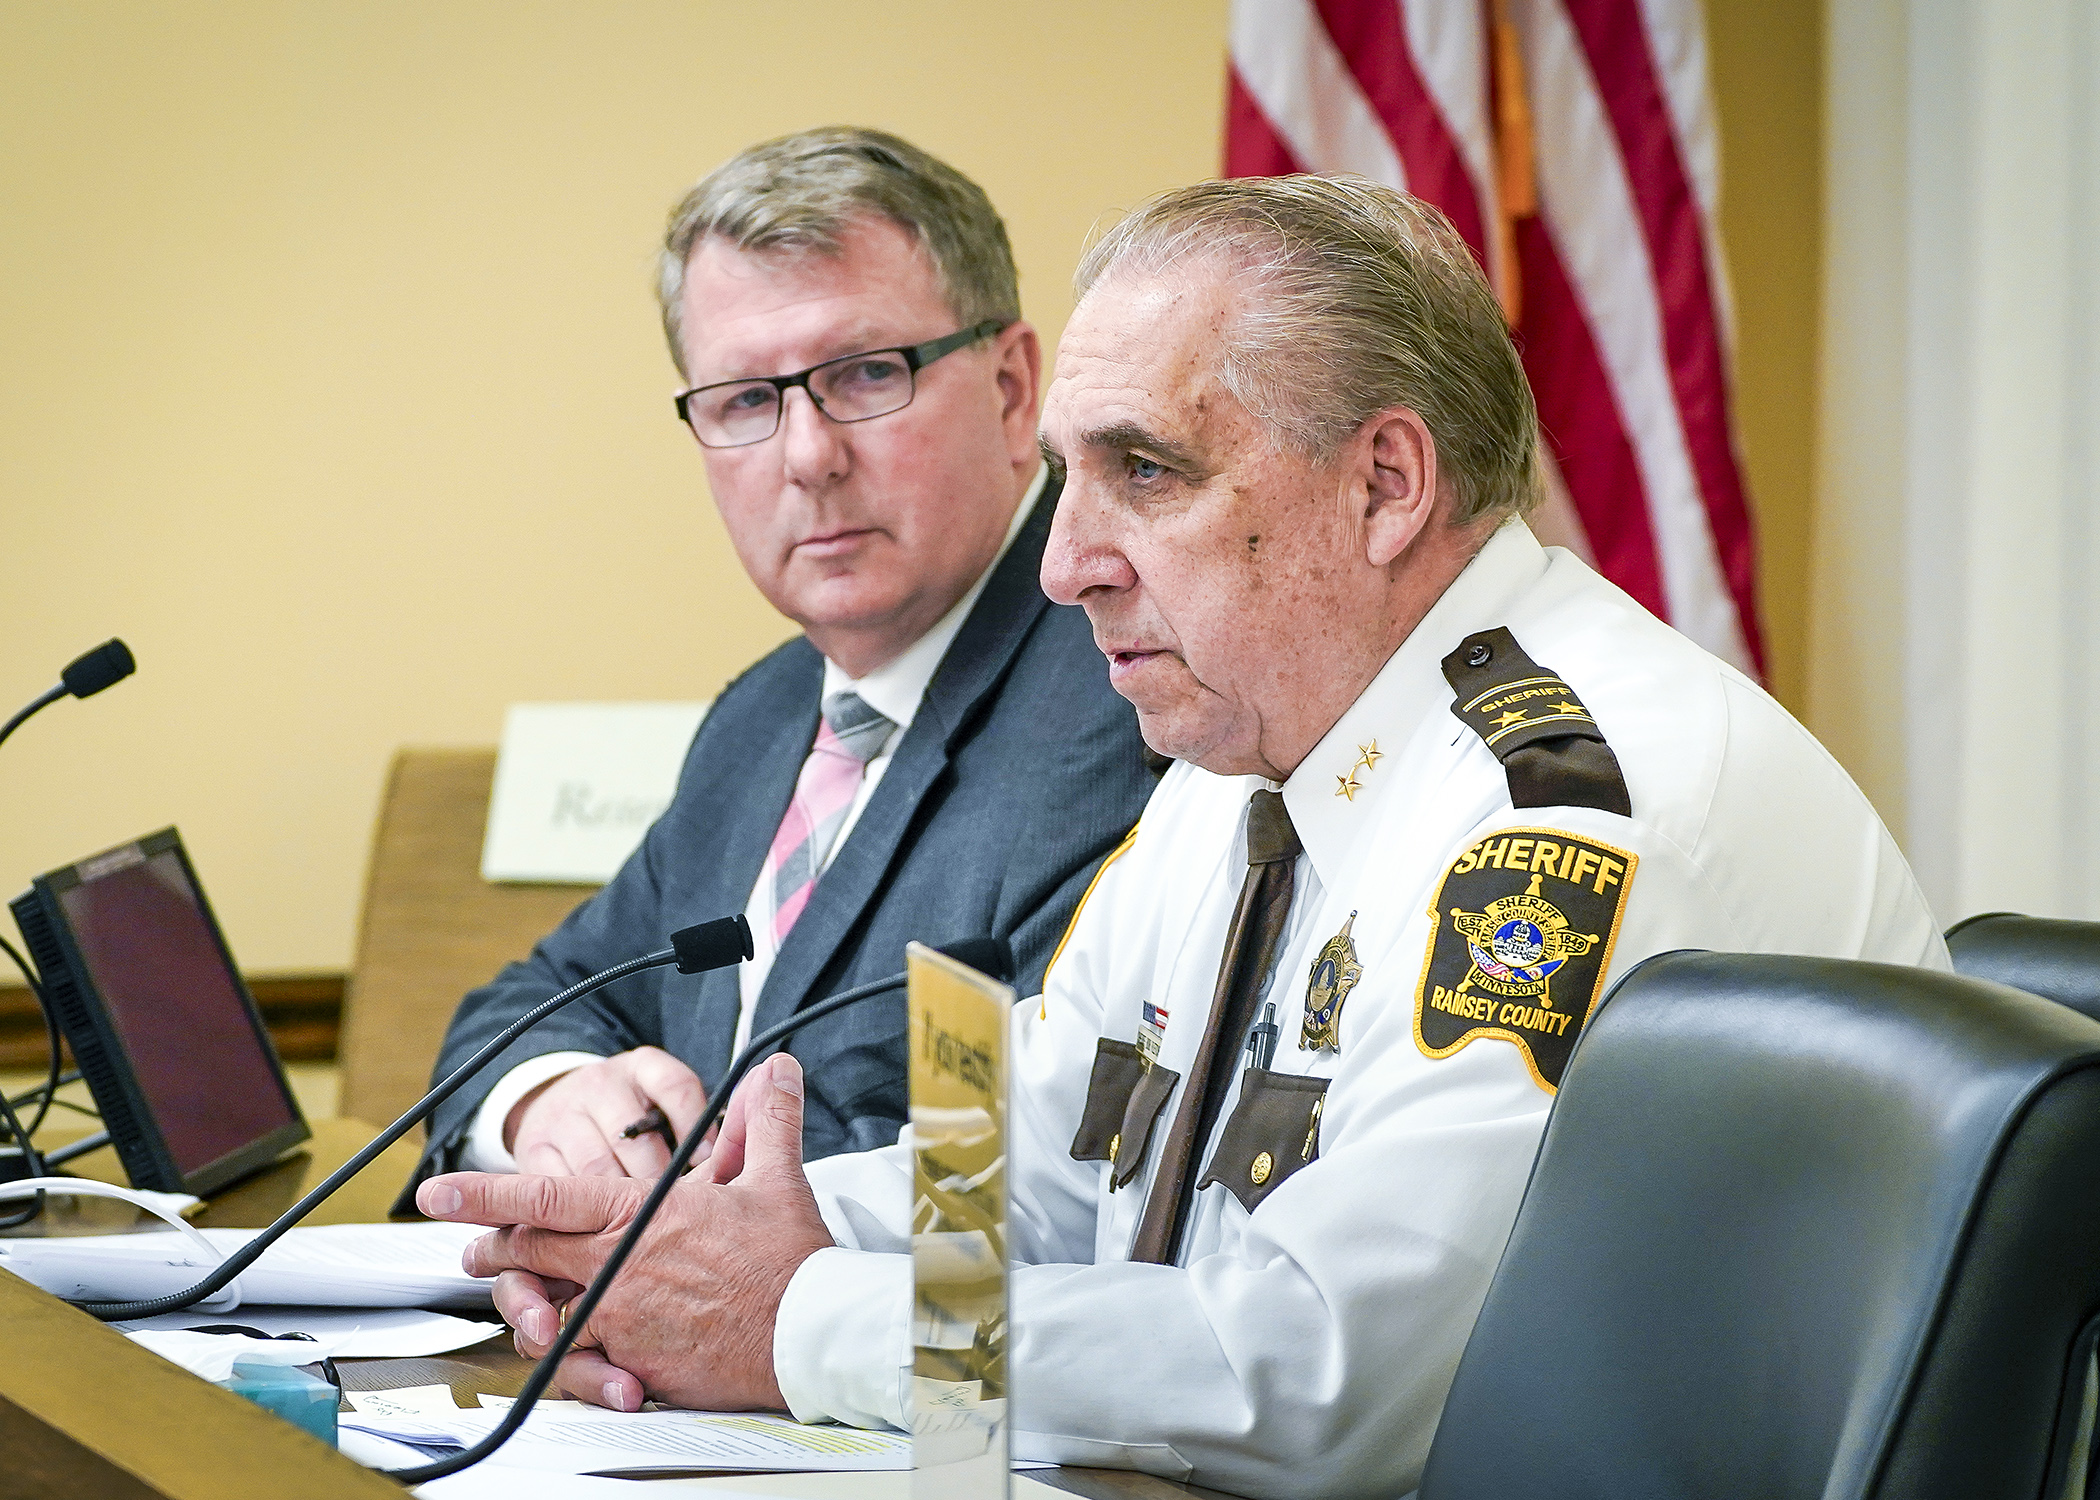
[[1797, 1228], [2056, 959]]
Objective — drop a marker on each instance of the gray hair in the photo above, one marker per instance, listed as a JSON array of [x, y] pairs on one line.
[[797, 195], [1361, 298]]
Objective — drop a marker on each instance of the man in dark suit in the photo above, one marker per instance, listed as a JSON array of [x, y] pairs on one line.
[[939, 755]]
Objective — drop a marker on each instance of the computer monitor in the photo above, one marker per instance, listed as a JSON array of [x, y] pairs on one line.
[[167, 1036]]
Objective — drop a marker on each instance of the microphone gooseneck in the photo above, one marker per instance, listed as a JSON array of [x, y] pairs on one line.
[[997, 960], [709, 945], [90, 672], [85, 675]]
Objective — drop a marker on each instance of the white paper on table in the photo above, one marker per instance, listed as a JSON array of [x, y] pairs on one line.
[[603, 1442], [212, 1356], [545, 1403], [376, 1452], [494, 1481], [169, 1206], [404, 1401], [487, 1480], [329, 1265], [593, 1440], [373, 1332]]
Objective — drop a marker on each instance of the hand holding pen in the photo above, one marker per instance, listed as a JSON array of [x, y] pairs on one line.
[[618, 1116], [652, 1123]]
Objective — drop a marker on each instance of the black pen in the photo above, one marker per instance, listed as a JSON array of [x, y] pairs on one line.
[[653, 1123], [1261, 1039]]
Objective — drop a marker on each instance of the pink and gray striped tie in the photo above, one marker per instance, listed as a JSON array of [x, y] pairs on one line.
[[848, 737]]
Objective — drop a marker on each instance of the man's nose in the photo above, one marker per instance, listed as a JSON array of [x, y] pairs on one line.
[[1082, 553], [814, 450]]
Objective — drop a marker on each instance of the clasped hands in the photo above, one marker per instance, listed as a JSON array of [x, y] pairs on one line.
[[689, 1320]]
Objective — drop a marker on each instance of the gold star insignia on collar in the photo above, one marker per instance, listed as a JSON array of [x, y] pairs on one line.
[[1514, 716], [1573, 709], [1348, 786], [1368, 756]]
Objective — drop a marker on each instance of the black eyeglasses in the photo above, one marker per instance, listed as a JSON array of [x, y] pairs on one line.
[[853, 388]]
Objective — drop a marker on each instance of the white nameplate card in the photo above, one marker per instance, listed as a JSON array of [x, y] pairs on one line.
[[958, 1243], [578, 784]]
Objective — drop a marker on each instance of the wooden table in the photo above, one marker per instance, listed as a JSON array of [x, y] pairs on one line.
[[84, 1411]]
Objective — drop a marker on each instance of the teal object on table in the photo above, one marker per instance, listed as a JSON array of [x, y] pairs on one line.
[[303, 1400]]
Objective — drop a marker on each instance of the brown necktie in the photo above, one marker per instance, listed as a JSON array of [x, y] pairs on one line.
[[1250, 953]]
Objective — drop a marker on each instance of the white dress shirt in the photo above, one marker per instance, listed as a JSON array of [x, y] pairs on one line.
[[1304, 1348], [895, 690]]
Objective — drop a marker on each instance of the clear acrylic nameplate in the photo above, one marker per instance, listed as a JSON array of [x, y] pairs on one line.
[[958, 1243]]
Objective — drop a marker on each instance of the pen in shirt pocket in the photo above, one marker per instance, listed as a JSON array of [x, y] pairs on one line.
[[1261, 1039]]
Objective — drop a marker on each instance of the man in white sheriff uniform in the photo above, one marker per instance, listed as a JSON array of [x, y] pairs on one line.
[[1275, 1110]]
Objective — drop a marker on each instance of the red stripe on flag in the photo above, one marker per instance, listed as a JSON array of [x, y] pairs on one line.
[[1616, 43], [1252, 146], [1369, 36], [1580, 417]]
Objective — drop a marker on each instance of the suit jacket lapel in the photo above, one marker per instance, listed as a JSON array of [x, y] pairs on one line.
[[975, 663]]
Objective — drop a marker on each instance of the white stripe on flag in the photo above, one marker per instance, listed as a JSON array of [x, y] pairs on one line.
[[1587, 206], [1450, 51], [1303, 84], [1677, 41]]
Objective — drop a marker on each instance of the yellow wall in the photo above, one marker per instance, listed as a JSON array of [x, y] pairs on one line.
[[1766, 58], [330, 378], [329, 375]]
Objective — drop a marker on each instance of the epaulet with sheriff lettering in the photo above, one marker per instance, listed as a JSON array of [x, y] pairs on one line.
[[1549, 746]]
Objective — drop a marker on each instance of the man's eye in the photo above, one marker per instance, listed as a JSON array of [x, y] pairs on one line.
[[747, 398], [1145, 470], [873, 371]]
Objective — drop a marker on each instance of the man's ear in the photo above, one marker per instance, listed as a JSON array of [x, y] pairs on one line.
[[1020, 377], [1398, 469]]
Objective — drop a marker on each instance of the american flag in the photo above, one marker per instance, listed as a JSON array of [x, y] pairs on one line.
[[1572, 143]]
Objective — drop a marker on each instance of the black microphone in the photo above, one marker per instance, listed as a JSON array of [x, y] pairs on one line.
[[993, 956], [85, 675], [710, 945], [92, 671]]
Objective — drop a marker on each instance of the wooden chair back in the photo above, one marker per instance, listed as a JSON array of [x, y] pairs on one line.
[[432, 928]]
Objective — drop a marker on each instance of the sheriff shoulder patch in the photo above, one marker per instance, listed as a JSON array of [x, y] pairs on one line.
[[1521, 934]]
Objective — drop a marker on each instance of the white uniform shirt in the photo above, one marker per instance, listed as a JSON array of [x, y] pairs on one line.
[[895, 690], [1305, 1349]]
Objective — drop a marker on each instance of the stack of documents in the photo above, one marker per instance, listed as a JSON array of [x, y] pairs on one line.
[[331, 1332], [327, 1265], [567, 1437], [368, 1333]]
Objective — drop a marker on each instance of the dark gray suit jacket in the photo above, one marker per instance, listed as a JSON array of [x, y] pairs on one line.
[[1020, 772]]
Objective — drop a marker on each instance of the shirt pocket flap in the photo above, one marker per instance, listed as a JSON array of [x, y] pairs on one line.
[[1274, 1130], [1117, 1068], [1127, 1153]]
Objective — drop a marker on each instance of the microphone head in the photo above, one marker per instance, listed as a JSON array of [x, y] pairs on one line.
[[993, 956], [712, 945], [91, 672]]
